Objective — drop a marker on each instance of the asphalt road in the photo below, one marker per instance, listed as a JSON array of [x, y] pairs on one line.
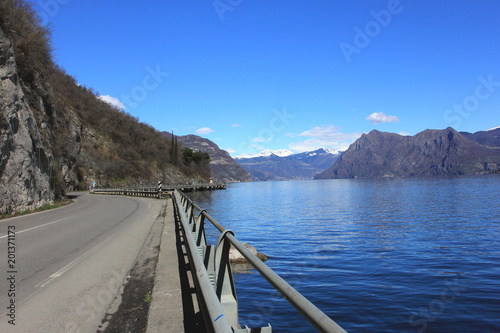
[[70, 263]]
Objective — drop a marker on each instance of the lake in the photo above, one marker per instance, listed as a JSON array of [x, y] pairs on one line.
[[386, 255]]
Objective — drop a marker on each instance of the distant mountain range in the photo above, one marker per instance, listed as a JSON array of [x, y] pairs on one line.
[[376, 154], [224, 168], [284, 165], [431, 152], [267, 153]]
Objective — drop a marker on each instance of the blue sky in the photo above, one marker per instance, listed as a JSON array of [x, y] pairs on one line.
[[299, 75]]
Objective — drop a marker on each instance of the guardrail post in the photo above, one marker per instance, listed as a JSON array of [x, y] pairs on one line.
[[199, 232], [190, 213], [224, 280]]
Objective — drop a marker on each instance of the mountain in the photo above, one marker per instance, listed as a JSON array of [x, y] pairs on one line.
[[320, 159], [267, 153], [224, 168], [490, 137], [284, 165], [431, 152], [57, 135]]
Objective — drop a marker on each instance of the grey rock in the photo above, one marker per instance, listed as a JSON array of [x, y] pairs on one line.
[[25, 163], [237, 258], [73, 150]]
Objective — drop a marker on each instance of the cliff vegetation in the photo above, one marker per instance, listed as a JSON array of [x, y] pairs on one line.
[[70, 137]]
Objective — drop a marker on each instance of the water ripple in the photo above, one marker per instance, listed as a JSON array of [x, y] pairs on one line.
[[391, 255]]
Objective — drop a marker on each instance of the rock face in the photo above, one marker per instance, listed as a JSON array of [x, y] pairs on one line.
[[431, 152], [294, 166], [224, 168], [26, 163]]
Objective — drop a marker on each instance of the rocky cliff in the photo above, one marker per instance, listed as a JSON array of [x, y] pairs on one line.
[[431, 152], [224, 168], [26, 161]]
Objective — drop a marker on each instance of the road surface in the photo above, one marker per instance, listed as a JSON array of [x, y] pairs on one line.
[[62, 269]]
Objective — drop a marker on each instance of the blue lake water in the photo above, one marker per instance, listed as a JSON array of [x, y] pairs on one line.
[[382, 255]]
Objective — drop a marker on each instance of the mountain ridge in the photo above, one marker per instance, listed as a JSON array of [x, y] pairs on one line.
[[269, 166], [266, 153], [489, 137], [430, 152]]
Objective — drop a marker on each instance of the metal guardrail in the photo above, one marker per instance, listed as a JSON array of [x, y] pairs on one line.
[[213, 277], [155, 192], [138, 192]]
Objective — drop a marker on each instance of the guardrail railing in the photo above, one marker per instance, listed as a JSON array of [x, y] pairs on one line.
[[156, 192], [213, 276]]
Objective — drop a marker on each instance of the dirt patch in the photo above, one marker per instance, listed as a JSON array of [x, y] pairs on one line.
[[132, 313]]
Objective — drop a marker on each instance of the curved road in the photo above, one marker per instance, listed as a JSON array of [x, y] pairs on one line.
[[71, 262]]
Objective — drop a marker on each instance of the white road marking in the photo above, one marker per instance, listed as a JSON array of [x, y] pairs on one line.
[[38, 226], [73, 263]]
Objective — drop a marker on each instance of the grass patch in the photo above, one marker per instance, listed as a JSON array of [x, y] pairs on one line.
[[147, 299], [58, 204], [164, 211]]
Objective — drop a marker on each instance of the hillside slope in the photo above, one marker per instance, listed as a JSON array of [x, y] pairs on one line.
[[224, 168], [56, 135], [431, 152]]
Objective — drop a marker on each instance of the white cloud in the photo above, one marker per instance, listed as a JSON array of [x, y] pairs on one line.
[[204, 130], [324, 136], [380, 117], [236, 125], [230, 150], [256, 148], [259, 139], [404, 133], [325, 131], [113, 101]]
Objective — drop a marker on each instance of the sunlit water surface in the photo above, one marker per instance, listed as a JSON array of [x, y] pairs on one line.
[[384, 255]]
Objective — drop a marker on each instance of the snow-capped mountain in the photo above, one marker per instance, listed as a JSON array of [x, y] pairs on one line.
[[267, 153], [283, 164]]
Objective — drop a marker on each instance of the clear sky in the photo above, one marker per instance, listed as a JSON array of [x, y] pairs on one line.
[[286, 74]]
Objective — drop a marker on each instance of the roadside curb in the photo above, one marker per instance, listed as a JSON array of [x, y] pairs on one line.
[[131, 314], [166, 308]]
